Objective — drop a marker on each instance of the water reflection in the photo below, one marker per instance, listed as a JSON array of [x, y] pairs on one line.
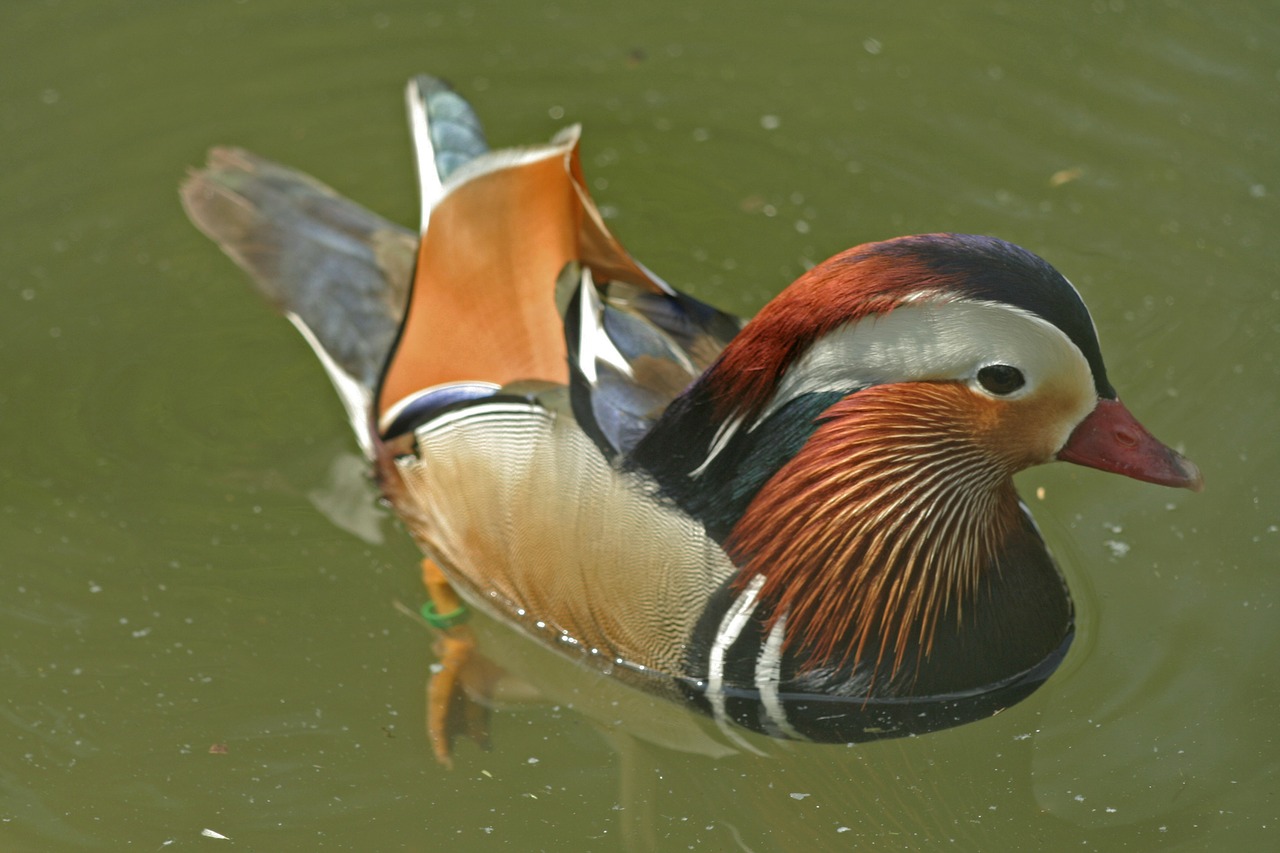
[[683, 781]]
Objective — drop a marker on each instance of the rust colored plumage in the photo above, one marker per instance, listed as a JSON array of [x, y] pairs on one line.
[[854, 284], [516, 226], [886, 518], [482, 305]]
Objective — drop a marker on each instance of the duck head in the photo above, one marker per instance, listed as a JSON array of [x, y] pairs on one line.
[[854, 445]]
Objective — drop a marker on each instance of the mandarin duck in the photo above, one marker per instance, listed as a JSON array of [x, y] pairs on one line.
[[804, 524]]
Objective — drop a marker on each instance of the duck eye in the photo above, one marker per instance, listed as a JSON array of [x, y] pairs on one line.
[[1001, 379]]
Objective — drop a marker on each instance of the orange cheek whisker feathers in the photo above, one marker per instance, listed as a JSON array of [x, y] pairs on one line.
[[885, 520]]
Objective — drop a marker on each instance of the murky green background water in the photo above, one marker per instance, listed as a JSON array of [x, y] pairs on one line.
[[188, 558]]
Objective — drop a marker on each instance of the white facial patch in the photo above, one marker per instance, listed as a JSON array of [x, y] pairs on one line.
[[940, 340]]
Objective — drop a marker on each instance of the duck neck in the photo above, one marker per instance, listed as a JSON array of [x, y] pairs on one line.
[[713, 470], [890, 522]]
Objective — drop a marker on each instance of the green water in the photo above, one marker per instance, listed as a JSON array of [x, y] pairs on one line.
[[197, 591]]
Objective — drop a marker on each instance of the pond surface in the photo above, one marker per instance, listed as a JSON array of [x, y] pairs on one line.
[[198, 590]]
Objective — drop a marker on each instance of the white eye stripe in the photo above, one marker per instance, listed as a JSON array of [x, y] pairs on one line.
[[950, 339]]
